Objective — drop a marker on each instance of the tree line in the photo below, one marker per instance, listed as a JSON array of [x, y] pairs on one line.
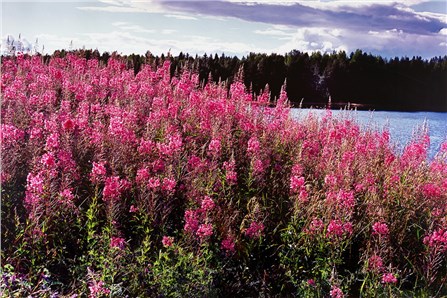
[[360, 79]]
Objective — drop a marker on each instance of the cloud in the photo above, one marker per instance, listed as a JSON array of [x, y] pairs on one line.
[[391, 27], [132, 28], [181, 17], [110, 8], [356, 15], [128, 43]]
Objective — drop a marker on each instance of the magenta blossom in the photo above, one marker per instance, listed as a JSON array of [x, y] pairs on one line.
[[389, 278], [254, 230], [207, 204], [228, 244], [205, 230], [380, 229], [117, 242], [167, 241], [336, 292]]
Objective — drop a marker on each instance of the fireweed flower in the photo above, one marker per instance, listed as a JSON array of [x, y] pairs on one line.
[[48, 160], [112, 189], [231, 175], [153, 183], [228, 244], [375, 263], [117, 242], [431, 190], [258, 167], [191, 221], [338, 229], [330, 180], [98, 172], [389, 278], [142, 176], [167, 241], [336, 292], [380, 229], [67, 195], [52, 142], [296, 183], [205, 230], [437, 239], [214, 147], [255, 230], [207, 204], [68, 125], [98, 289], [253, 146], [315, 227]]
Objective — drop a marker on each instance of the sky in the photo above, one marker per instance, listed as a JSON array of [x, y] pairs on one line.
[[234, 27]]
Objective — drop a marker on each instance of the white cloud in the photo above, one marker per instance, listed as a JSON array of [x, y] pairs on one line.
[[133, 28], [272, 32], [168, 31], [110, 8], [181, 17]]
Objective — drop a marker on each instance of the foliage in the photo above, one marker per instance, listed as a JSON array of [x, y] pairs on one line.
[[117, 183]]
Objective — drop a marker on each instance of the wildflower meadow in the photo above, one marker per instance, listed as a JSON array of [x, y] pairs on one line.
[[116, 184]]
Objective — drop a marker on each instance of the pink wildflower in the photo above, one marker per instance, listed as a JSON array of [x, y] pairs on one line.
[[52, 142], [112, 189], [336, 292], [98, 172], [207, 204], [117, 242], [68, 125], [315, 226], [380, 229], [191, 221], [142, 176], [296, 183], [311, 282], [254, 230], [154, 183], [330, 180], [253, 146], [258, 167], [205, 230], [389, 278], [48, 160], [228, 244], [431, 190], [133, 209], [214, 147], [375, 263], [97, 289], [303, 196], [437, 239], [167, 241], [231, 175], [168, 184], [338, 229], [67, 195]]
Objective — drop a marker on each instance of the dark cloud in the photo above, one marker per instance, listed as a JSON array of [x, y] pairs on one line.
[[362, 18]]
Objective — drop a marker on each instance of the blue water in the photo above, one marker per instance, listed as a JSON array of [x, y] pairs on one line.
[[401, 125]]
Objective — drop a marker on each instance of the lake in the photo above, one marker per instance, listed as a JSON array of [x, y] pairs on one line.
[[401, 125]]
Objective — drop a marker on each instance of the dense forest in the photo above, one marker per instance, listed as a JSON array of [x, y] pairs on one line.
[[359, 80]]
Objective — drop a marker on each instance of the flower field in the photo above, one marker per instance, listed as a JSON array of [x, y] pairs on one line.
[[117, 184]]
